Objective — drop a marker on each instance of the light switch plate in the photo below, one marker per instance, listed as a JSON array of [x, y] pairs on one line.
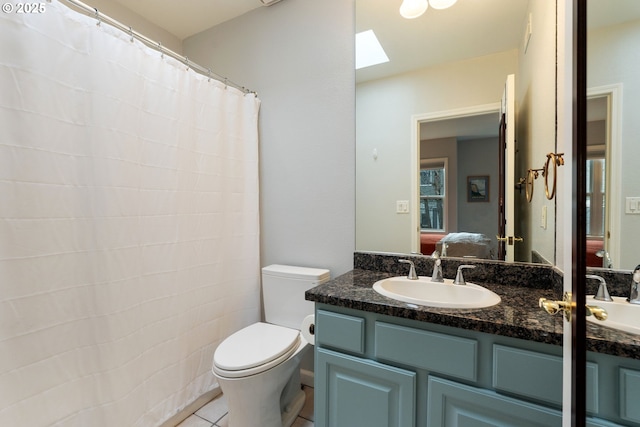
[[632, 206], [402, 206]]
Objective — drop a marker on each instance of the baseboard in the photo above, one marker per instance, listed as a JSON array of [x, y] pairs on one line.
[[306, 377], [192, 407]]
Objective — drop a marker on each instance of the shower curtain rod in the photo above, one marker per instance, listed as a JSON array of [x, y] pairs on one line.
[[92, 11]]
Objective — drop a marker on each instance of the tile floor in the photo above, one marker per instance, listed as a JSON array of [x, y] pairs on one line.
[[214, 413]]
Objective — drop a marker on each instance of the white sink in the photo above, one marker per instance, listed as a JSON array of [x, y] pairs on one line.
[[620, 314], [425, 292]]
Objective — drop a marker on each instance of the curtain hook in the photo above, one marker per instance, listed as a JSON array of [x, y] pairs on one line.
[[225, 83], [186, 62], [97, 17], [161, 50], [209, 74], [131, 33]]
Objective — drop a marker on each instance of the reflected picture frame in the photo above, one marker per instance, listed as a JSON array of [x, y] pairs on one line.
[[478, 189]]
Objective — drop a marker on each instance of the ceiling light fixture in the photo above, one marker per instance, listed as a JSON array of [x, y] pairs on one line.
[[442, 4], [411, 9]]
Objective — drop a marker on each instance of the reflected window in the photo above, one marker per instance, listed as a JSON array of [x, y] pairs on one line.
[[596, 197], [433, 198]]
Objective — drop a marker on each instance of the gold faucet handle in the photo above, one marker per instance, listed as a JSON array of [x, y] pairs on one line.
[[554, 307], [597, 312]]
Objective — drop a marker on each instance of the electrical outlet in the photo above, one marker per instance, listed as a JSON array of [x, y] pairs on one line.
[[543, 217]]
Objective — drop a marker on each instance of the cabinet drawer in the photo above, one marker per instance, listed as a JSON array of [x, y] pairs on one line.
[[432, 351], [629, 392], [537, 376], [340, 331]]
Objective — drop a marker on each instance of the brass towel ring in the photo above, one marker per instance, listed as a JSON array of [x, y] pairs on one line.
[[532, 175], [528, 185], [557, 160]]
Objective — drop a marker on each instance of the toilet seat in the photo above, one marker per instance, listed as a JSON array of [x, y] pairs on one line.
[[255, 349]]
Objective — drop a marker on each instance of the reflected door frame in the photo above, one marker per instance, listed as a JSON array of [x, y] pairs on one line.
[[613, 161], [416, 120]]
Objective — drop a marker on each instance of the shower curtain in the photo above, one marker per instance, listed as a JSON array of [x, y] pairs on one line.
[[129, 224]]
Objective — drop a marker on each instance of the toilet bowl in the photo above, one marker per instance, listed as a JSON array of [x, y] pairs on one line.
[[258, 367]]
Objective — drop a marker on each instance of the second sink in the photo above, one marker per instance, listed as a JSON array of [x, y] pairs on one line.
[[445, 295], [620, 314]]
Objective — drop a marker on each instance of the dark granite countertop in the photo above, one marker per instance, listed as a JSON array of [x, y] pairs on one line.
[[517, 315]]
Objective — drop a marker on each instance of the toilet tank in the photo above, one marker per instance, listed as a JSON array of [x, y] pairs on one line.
[[283, 288]]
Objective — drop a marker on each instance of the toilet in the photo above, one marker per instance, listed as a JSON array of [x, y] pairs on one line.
[[258, 367]]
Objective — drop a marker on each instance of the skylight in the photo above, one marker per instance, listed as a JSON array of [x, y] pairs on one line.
[[368, 50]]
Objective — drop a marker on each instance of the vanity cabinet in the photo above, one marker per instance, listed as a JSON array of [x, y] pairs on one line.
[[362, 392], [378, 370]]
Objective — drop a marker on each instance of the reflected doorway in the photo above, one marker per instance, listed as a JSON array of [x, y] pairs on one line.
[[450, 147], [603, 151]]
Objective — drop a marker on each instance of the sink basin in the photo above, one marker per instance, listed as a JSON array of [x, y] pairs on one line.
[[434, 294], [620, 314]]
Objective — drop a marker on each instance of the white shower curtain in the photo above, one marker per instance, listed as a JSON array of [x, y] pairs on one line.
[[129, 224]]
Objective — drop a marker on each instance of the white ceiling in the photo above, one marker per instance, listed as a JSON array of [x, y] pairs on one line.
[[468, 29], [184, 18]]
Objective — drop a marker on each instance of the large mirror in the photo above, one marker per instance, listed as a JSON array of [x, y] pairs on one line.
[[427, 128], [613, 175]]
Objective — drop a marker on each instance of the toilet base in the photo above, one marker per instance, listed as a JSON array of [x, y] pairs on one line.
[[291, 412]]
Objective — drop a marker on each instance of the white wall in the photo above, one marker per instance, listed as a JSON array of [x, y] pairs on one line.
[[536, 130], [614, 57], [299, 56], [381, 182]]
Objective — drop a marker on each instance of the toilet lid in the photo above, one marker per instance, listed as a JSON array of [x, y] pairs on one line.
[[255, 345]]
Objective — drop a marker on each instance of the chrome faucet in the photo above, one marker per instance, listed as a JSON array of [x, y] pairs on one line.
[[634, 297], [412, 271], [603, 292], [459, 277], [606, 259], [436, 276]]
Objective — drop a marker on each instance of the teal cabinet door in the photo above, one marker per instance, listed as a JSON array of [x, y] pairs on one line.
[[456, 405], [354, 392]]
